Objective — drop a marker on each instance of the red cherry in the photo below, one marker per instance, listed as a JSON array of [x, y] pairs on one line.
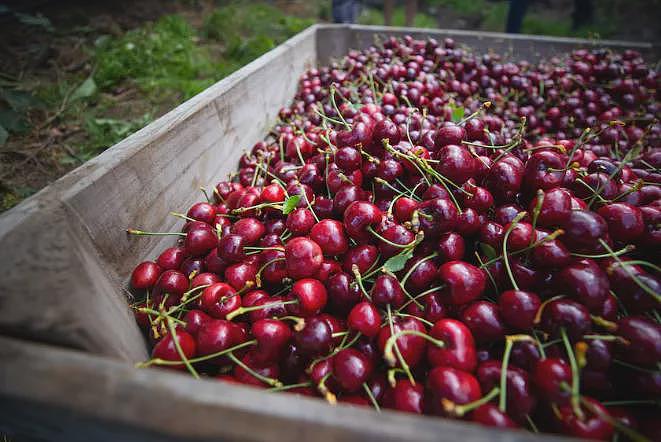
[[303, 257], [311, 295], [464, 282], [459, 348], [145, 275], [351, 369], [167, 350], [365, 318]]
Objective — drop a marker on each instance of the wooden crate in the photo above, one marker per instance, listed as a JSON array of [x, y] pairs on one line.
[[69, 340]]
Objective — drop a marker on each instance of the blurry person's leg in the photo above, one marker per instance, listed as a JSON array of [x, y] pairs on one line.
[[582, 15], [388, 6], [411, 10], [515, 16], [345, 11]]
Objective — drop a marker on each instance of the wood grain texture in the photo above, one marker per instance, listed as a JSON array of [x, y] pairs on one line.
[[80, 397]]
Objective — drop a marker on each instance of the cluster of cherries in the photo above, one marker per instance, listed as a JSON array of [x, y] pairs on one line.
[[435, 232]]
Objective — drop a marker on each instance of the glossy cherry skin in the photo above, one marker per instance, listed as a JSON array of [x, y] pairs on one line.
[[552, 254], [167, 350], [171, 282], [464, 282], [520, 398], [451, 246], [395, 233], [583, 228], [230, 248], [411, 347], [448, 383], [365, 318], [548, 375], [315, 338], [241, 275], [311, 295], [200, 241], [403, 209], [343, 292], [351, 369], [145, 275], [303, 257], [423, 274], [625, 222], [300, 221], [408, 397], [194, 320], [455, 163], [567, 314], [362, 256], [438, 215], [387, 290], [358, 216], [171, 258], [519, 308], [459, 349], [250, 359], [204, 212], [592, 426], [250, 229], [217, 335], [330, 236], [491, 416], [483, 318], [644, 337], [555, 209], [586, 282], [220, 299], [272, 338]]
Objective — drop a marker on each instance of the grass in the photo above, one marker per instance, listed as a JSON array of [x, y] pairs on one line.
[[159, 64], [371, 16]]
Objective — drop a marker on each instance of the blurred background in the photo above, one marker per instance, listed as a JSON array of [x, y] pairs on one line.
[[78, 76]]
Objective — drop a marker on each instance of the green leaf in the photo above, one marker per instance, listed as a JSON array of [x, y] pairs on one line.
[[397, 262], [488, 251], [290, 204], [458, 113], [3, 136], [86, 89], [12, 121]]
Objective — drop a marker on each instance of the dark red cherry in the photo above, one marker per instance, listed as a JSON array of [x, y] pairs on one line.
[[408, 397], [483, 318], [548, 376], [451, 247], [459, 349], [343, 292], [145, 275], [491, 416], [387, 290], [171, 258], [592, 425], [272, 338], [194, 320], [519, 308], [311, 295], [454, 385], [220, 299], [251, 360], [362, 256], [586, 282], [565, 314], [230, 248], [300, 222], [303, 257], [250, 229], [167, 350], [455, 163], [583, 229], [437, 215], [216, 335], [358, 216], [520, 397], [365, 318], [625, 222], [464, 282], [315, 338], [643, 346], [351, 369], [200, 241], [204, 212], [329, 235], [411, 347], [555, 209]]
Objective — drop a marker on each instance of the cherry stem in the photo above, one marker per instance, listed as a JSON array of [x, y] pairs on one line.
[[393, 244], [339, 114], [401, 359], [143, 233], [420, 295], [368, 391], [206, 194], [406, 315], [359, 280], [513, 224], [605, 323], [258, 278], [532, 424], [388, 352], [535, 214], [645, 287], [509, 343], [182, 216], [622, 251], [415, 266], [328, 395], [290, 387], [629, 432], [241, 310], [638, 262], [159, 361], [460, 410], [269, 381], [575, 381], [180, 351]]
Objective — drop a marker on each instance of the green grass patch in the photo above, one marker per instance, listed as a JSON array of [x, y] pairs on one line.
[[372, 16]]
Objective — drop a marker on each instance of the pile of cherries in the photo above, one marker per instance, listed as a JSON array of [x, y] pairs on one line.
[[436, 232]]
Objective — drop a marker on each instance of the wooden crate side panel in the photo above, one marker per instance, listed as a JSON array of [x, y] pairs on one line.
[[80, 397], [53, 288]]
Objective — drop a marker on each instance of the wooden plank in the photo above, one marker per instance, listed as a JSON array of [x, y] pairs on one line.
[[74, 396]]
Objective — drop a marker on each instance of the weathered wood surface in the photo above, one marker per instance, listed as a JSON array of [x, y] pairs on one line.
[[65, 395], [66, 258]]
